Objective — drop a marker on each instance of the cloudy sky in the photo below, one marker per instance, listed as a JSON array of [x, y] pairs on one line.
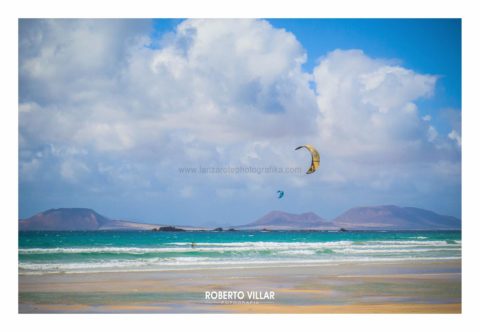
[[111, 110]]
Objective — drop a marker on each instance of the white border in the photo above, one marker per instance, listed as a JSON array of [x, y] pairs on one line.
[[218, 8]]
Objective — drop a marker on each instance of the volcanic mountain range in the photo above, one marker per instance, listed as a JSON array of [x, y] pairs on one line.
[[385, 217]]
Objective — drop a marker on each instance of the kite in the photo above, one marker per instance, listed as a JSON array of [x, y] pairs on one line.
[[315, 157]]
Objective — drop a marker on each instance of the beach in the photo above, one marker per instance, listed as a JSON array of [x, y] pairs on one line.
[[240, 272], [380, 287]]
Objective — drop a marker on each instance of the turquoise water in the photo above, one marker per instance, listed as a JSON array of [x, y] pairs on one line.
[[76, 252]]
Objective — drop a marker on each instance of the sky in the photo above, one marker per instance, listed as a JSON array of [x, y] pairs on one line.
[[111, 112]]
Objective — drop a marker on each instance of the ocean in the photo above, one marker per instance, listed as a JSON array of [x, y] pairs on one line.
[[123, 251]]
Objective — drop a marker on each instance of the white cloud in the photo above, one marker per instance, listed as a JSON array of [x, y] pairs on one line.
[[454, 136], [103, 107], [367, 108], [432, 134], [213, 80], [73, 170]]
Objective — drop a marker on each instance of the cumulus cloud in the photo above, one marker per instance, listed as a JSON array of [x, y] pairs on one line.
[[367, 106], [107, 107], [227, 80]]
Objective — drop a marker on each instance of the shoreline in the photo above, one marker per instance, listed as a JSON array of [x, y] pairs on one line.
[[238, 265], [407, 287]]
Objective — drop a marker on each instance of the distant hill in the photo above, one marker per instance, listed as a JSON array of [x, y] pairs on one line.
[[391, 217], [387, 217], [76, 219], [278, 220]]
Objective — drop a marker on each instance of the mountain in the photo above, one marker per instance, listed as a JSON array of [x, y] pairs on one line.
[[76, 219], [278, 220], [386, 217], [391, 217]]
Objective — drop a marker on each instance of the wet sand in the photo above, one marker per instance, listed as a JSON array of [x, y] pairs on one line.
[[406, 287]]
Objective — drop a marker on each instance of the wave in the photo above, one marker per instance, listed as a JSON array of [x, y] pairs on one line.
[[241, 246], [412, 242], [195, 263], [176, 255], [261, 244], [299, 252], [411, 250]]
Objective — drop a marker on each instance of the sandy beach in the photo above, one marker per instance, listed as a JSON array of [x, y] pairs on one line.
[[393, 287]]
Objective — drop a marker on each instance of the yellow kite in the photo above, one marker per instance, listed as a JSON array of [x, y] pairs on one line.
[[315, 157]]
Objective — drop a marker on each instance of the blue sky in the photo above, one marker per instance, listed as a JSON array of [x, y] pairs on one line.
[[110, 109], [423, 45]]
